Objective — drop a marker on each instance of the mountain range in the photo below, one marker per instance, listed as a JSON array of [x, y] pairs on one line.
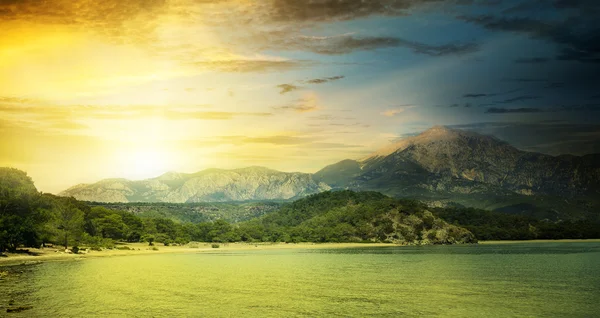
[[441, 166]]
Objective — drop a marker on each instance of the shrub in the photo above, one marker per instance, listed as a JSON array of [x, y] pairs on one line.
[[215, 245], [75, 249]]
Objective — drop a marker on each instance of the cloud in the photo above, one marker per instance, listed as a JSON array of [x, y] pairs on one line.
[[203, 115], [532, 60], [465, 105], [324, 80], [277, 140], [477, 95], [518, 99], [302, 105], [246, 66], [334, 10], [118, 21], [579, 107], [576, 37], [396, 111], [294, 11], [555, 85], [67, 116], [16, 100], [286, 88], [344, 44], [496, 110], [323, 117]]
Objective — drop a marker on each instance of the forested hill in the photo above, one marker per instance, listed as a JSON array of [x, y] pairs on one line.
[[347, 216], [30, 218]]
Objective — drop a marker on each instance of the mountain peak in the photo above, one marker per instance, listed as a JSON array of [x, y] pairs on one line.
[[434, 133], [437, 130], [170, 175]]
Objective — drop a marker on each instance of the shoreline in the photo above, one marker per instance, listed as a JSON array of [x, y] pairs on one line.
[[55, 254], [540, 241]]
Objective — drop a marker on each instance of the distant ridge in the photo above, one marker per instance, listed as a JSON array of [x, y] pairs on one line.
[[210, 185], [440, 166]]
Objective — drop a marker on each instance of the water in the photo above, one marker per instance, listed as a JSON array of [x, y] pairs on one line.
[[503, 280]]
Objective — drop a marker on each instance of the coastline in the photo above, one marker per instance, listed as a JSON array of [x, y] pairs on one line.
[[540, 241], [54, 254]]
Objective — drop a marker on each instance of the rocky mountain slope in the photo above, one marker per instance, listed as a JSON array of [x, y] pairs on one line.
[[211, 185], [443, 164]]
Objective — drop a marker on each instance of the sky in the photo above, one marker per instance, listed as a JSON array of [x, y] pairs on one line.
[[133, 89]]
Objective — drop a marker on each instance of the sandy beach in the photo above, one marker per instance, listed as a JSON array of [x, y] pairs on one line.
[[56, 253]]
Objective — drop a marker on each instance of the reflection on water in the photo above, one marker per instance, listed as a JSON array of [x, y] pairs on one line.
[[526, 279]]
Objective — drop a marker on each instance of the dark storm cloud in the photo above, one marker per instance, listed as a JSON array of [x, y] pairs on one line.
[[497, 110], [348, 43], [578, 37], [336, 10], [526, 6]]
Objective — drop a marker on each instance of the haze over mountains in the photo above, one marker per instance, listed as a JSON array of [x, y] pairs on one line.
[[210, 185], [441, 166]]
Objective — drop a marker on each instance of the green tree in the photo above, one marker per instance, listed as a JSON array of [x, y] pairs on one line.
[[111, 226], [21, 216], [68, 220]]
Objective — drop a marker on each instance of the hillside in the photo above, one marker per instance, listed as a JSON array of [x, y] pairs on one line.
[[232, 212], [211, 185], [441, 166], [347, 216], [444, 165]]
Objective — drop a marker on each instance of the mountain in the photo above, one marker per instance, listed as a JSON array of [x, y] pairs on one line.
[[211, 185], [441, 166], [444, 165]]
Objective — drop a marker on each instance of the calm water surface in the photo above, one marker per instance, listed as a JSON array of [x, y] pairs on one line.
[[503, 280]]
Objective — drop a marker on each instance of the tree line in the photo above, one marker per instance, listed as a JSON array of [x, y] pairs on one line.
[[30, 218]]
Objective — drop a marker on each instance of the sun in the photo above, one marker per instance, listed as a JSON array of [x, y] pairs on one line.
[[144, 163]]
